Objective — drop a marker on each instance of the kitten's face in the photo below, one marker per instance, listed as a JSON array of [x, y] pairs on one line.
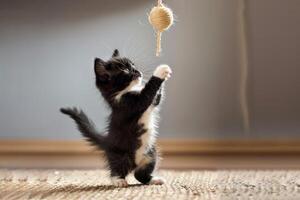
[[116, 74]]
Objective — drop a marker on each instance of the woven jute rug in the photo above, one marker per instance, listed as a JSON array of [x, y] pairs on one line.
[[94, 184]]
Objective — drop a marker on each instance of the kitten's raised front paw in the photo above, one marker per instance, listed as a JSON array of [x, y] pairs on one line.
[[163, 72], [157, 181], [119, 182]]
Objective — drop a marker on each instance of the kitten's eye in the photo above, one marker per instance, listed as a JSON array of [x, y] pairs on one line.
[[128, 65]]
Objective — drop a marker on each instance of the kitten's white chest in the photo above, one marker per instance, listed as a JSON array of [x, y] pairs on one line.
[[147, 138]]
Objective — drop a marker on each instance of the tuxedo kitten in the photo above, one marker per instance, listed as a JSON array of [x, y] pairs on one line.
[[129, 142]]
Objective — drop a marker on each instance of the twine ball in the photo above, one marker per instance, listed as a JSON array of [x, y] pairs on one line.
[[161, 18]]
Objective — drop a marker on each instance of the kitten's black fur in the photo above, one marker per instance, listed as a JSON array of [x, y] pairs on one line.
[[124, 131]]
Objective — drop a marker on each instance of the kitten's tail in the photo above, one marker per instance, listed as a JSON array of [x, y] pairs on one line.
[[85, 126]]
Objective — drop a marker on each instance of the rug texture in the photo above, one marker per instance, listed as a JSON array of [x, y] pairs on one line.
[[94, 184]]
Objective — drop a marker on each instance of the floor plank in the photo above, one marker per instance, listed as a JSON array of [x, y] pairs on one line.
[[205, 161]]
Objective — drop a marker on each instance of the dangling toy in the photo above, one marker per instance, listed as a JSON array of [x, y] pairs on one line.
[[161, 18]]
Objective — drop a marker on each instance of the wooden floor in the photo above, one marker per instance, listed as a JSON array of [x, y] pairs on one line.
[[182, 162], [176, 154]]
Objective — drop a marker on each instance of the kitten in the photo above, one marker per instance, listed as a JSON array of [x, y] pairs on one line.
[[129, 144]]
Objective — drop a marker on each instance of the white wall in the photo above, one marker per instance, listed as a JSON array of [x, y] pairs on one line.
[[47, 50]]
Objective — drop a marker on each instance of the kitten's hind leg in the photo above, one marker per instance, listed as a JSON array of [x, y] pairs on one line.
[[144, 173], [119, 166], [119, 182], [156, 180]]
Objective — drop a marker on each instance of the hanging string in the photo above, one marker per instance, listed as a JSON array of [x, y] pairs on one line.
[[158, 34], [158, 43], [159, 3]]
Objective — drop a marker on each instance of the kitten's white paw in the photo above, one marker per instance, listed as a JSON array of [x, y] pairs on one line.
[[157, 181], [163, 72], [119, 182]]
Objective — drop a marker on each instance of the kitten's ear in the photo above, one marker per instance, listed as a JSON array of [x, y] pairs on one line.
[[100, 70], [116, 53]]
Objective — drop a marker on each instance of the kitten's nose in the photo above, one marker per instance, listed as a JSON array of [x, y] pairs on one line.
[[138, 74]]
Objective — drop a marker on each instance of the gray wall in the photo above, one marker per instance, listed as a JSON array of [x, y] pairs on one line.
[[47, 50], [274, 44]]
